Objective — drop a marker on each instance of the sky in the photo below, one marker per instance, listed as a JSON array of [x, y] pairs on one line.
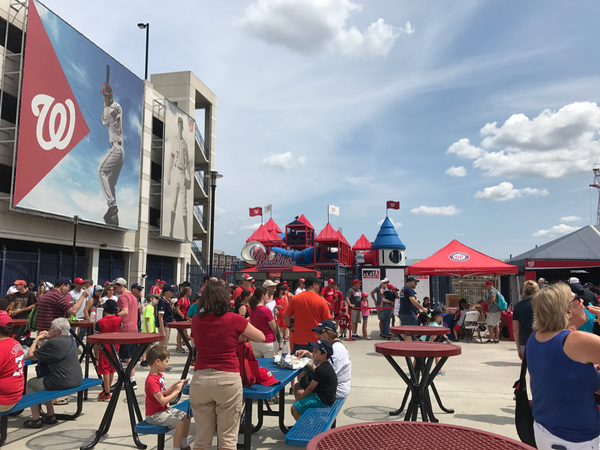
[[480, 117]]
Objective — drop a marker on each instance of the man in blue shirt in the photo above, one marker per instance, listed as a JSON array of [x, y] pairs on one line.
[[409, 305]]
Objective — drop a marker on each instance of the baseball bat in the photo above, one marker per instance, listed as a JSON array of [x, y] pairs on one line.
[[108, 74]]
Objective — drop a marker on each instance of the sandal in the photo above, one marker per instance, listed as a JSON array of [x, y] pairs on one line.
[[33, 423], [50, 420], [60, 401]]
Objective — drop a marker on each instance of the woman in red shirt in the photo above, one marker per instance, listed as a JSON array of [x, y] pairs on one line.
[[181, 309], [216, 389], [262, 318]]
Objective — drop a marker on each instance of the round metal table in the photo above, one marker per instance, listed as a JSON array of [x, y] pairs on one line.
[[181, 327], [410, 436], [420, 377], [107, 341], [418, 330]]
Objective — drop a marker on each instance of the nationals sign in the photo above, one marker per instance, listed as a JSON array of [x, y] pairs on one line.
[[79, 142]]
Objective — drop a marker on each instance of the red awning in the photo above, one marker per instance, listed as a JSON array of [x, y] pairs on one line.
[[458, 259], [293, 269]]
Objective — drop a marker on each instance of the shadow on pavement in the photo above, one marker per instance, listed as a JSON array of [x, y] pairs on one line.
[[370, 413], [487, 418]]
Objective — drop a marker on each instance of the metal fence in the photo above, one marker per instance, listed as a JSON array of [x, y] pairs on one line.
[[35, 267], [159, 271]]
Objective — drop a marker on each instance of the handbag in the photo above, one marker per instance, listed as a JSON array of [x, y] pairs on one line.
[[42, 369], [523, 411]]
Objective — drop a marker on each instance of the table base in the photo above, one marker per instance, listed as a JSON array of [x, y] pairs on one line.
[[86, 353], [135, 414], [188, 362]]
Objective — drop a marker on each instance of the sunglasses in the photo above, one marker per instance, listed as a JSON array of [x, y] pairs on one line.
[[576, 299]]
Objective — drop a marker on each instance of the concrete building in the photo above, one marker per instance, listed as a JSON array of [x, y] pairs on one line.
[[45, 240]]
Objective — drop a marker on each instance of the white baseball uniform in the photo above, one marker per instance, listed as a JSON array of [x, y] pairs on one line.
[[112, 163]]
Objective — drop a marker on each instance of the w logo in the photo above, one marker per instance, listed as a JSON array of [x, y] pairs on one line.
[[60, 136]]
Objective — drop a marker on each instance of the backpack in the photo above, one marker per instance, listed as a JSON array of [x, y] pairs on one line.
[[248, 364], [500, 301], [32, 320]]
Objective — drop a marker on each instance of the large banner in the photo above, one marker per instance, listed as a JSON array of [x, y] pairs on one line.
[[80, 127], [178, 173]]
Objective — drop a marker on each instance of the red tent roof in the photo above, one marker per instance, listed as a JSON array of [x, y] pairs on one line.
[[275, 238], [305, 221], [343, 239], [328, 234], [362, 243], [458, 259], [271, 225], [261, 235]]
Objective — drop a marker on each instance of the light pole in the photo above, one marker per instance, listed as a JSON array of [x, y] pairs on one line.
[[146, 26], [213, 187]]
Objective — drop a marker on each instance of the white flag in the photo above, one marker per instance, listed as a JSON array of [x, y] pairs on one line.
[[267, 209], [335, 210]]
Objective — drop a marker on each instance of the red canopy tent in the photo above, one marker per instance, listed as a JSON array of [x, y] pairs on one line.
[[458, 259]]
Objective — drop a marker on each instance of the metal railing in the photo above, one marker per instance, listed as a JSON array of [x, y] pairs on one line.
[[200, 215], [197, 253], [200, 140], [203, 181]]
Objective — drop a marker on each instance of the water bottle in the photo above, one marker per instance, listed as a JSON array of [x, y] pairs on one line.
[[93, 316], [284, 350]]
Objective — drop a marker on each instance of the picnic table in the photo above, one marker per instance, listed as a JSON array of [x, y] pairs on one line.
[[181, 327], [22, 328], [418, 330], [108, 341], [87, 352], [421, 376], [410, 436]]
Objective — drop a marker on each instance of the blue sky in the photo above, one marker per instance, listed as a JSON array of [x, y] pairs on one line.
[[478, 116]]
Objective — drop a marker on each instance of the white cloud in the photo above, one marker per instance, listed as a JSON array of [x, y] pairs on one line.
[[555, 144], [436, 210], [302, 160], [556, 230], [505, 191], [396, 225], [279, 160], [230, 233], [220, 212], [252, 227], [570, 219], [309, 26], [459, 171]]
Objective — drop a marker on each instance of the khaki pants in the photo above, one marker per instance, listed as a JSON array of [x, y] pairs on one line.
[[6, 407], [216, 397], [165, 342]]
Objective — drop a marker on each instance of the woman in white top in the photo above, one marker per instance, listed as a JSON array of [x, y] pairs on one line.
[[109, 293], [340, 360]]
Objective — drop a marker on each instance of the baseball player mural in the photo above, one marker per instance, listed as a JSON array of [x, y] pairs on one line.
[[112, 163], [178, 166], [63, 129]]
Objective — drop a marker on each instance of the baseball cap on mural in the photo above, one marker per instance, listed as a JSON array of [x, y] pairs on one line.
[[331, 281], [137, 286], [246, 277], [5, 320], [120, 281], [573, 280], [409, 279], [266, 378], [79, 280]]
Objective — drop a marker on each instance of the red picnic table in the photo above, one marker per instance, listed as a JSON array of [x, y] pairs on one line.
[[21, 324], [108, 341], [419, 330], [410, 436], [421, 376], [87, 352], [181, 327]]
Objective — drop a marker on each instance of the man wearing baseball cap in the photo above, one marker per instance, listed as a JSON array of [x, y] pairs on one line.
[[494, 313], [353, 298], [157, 288], [128, 312], [300, 287], [136, 290], [328, 293], [56, 303], [24, 300], [246, 281], [409, 305], [308, 309], [320, 393]]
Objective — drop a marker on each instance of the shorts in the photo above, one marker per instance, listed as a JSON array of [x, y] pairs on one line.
[[104, 365], [264, 349], [312, 401], [408, 319], [381, 314], [168, 418], [493, 319], [365, 318], [127, 351], [457, 327], [356, 316], [4, 408], [35, 385], [545, 439]]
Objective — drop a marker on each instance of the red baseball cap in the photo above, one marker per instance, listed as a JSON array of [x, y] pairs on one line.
[[489, 283], [247, 277], [158, 281], [356, 281], [266, 378], [79, 280], [163, 282], [5, 320], [106, 282], [21, 282], [331, 280], [301, 280]]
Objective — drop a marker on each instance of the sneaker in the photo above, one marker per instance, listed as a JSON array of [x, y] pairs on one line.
[[177, 350], [489, 341], [442, 372], [355, 336], [496, 341], [367, 338], [144, 364], [134, 385], [103, 397]]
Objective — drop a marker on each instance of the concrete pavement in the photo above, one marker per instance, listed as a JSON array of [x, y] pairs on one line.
[[477, 385]]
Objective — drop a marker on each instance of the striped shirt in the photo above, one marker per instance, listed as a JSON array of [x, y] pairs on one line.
[[51, 305]]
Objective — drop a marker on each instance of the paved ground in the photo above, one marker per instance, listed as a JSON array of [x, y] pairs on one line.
[[477, 384]]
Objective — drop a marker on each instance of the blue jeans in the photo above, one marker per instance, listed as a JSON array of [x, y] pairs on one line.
[[387, 317]]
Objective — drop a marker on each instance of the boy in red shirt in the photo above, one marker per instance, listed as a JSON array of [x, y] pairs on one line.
[[344, 321], [109, 323], [158, 398]]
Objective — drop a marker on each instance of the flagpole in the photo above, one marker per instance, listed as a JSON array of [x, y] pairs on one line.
[[386, 211], [327, 213], [261, 218]]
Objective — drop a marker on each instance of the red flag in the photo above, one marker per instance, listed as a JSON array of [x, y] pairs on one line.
[[393, 205], [255, 211]]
